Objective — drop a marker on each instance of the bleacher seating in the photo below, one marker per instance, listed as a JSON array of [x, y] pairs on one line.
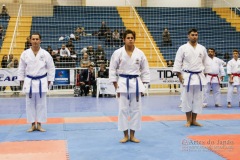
[[213, 31], [67, 18]]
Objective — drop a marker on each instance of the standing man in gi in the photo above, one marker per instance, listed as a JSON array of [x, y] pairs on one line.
[[37, 71], [213, 79], [190, 62], [128, 71], [233, 71]]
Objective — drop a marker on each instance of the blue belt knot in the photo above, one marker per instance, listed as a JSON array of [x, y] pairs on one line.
[[189, 79], [40, 84], [127, 82]]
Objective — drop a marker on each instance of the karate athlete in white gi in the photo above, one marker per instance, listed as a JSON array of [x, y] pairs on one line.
[[37, 71], [190, 62], [214, 79], [128, 71], [233, 71]]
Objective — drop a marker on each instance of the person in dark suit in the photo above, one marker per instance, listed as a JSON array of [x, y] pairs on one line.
[[88, 78]]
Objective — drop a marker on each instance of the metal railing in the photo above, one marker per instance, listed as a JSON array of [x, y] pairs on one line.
[[15, 32], [133, 11], [231, 6]]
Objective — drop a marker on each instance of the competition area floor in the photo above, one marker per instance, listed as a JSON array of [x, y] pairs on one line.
[[85, 128]]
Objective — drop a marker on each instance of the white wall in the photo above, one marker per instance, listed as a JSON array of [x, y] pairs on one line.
[[27, 1], [67, 2], [36, 1], [222, 3], [173, 3], [112, 2]]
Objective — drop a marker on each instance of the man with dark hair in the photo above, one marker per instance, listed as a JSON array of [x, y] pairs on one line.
[[128, 71], [37, 71], [166, 39], [190, 62], [102, 30], [233, 71], [213, 81], [89, 79], [91, 54]]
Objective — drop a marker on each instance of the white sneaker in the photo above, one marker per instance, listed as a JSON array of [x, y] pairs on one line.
[[204, 105]]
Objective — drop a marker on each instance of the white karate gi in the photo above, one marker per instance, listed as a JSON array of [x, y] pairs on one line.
[[137, 64], [233, 66], [213, 82], [35, 66], [192, 59]]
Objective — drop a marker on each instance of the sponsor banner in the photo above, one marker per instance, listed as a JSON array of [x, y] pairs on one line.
[[8, 77], [104, 86], [62, 77], [163, 76], [166, 76]]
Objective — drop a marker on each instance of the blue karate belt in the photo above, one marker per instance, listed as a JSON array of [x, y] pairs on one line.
[[40, 84], [127, 82], [189, 79]]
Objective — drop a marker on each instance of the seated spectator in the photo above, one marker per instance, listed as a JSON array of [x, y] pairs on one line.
[[166, 40], [85, 62], [170, 64], [121, 34], [84, 50], [88, 78], [71, 48], [64, 52], [73, 53], [55, 56], [4, 64], [1, 32], [99, 51], [100, 60], [79, 32], [102, 31], [65, 55], [4, 12], [108, 37], [116, 38], [49, 49], [70, 44], [103, 72], [91, 54], [14, 64], [28, 43], [10, 58], [80, 55]]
